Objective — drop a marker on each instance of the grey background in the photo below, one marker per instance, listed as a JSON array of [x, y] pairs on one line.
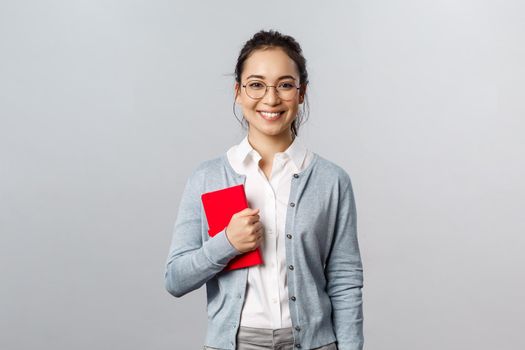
[[106, 107]]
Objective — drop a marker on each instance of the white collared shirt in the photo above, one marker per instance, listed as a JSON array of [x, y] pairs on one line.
[[266, 303]]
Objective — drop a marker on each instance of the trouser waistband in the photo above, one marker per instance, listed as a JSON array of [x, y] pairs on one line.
[[265, 336]]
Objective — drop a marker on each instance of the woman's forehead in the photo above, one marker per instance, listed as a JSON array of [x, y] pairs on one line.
[[270, 64]]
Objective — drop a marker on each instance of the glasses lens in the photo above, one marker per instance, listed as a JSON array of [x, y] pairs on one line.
[[255, 89], [286, 90]]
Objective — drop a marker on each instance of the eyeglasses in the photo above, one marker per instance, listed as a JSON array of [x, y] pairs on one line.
[[257, 89]]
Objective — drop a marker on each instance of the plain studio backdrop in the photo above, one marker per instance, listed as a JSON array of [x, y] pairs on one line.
[[107, 106]]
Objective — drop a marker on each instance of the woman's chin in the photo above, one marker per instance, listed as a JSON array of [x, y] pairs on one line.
[[273, 132]]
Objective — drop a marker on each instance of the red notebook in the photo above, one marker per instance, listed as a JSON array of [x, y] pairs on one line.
[[219, 207]]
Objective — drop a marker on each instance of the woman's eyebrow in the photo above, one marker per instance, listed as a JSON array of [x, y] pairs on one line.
[[261, 77]]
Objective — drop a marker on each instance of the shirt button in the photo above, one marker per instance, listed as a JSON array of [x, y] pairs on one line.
[[289, 236], [295, 175], [274, 300], [292, 204], [293, 298], [290, 267]]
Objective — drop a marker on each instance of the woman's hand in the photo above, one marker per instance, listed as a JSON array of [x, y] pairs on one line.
[[245, 231]]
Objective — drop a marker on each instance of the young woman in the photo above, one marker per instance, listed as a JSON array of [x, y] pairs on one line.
[[301, 215]]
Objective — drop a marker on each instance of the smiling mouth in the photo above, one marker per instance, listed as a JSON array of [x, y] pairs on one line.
[[270, 116]]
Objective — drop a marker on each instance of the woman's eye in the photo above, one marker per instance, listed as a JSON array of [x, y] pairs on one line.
[[287, 85], [255, 85]]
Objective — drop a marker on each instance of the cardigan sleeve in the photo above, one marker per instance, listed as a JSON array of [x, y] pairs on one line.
[[192, 262], [344, 273]]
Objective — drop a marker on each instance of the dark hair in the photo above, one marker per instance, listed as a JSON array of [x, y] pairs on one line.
[[263, 40]]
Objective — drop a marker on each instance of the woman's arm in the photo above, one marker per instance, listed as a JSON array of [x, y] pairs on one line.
[[344, 273], [191, 263]]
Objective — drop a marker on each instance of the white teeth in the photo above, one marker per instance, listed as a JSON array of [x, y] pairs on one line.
[[270, 115]]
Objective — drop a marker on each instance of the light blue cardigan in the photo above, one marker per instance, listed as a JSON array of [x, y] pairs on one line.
[[325, 273]]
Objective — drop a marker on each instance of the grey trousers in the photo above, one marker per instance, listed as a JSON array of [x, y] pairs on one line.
[[268, 339]]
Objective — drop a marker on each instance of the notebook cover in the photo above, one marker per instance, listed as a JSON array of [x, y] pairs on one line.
[[219, 207]]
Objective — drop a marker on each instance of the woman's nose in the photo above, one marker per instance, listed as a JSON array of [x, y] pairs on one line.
[[272, 96]]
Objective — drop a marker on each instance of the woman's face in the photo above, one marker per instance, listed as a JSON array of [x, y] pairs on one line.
[[273, 67]]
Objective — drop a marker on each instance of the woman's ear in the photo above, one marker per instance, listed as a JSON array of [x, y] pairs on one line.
[[236, 91], [302, 92]]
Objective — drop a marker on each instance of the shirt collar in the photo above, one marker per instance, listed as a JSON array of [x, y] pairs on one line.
[[296, 152]]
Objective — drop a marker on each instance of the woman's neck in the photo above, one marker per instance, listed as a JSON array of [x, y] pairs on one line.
[[268, 146]]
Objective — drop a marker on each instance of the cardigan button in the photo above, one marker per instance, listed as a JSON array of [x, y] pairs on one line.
[[295, 175], [293, 298], [289, 236], [292, 204], [290, 267], [297, 328], [298, 345]]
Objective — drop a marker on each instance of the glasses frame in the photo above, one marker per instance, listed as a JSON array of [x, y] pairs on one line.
[[266, 91]]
